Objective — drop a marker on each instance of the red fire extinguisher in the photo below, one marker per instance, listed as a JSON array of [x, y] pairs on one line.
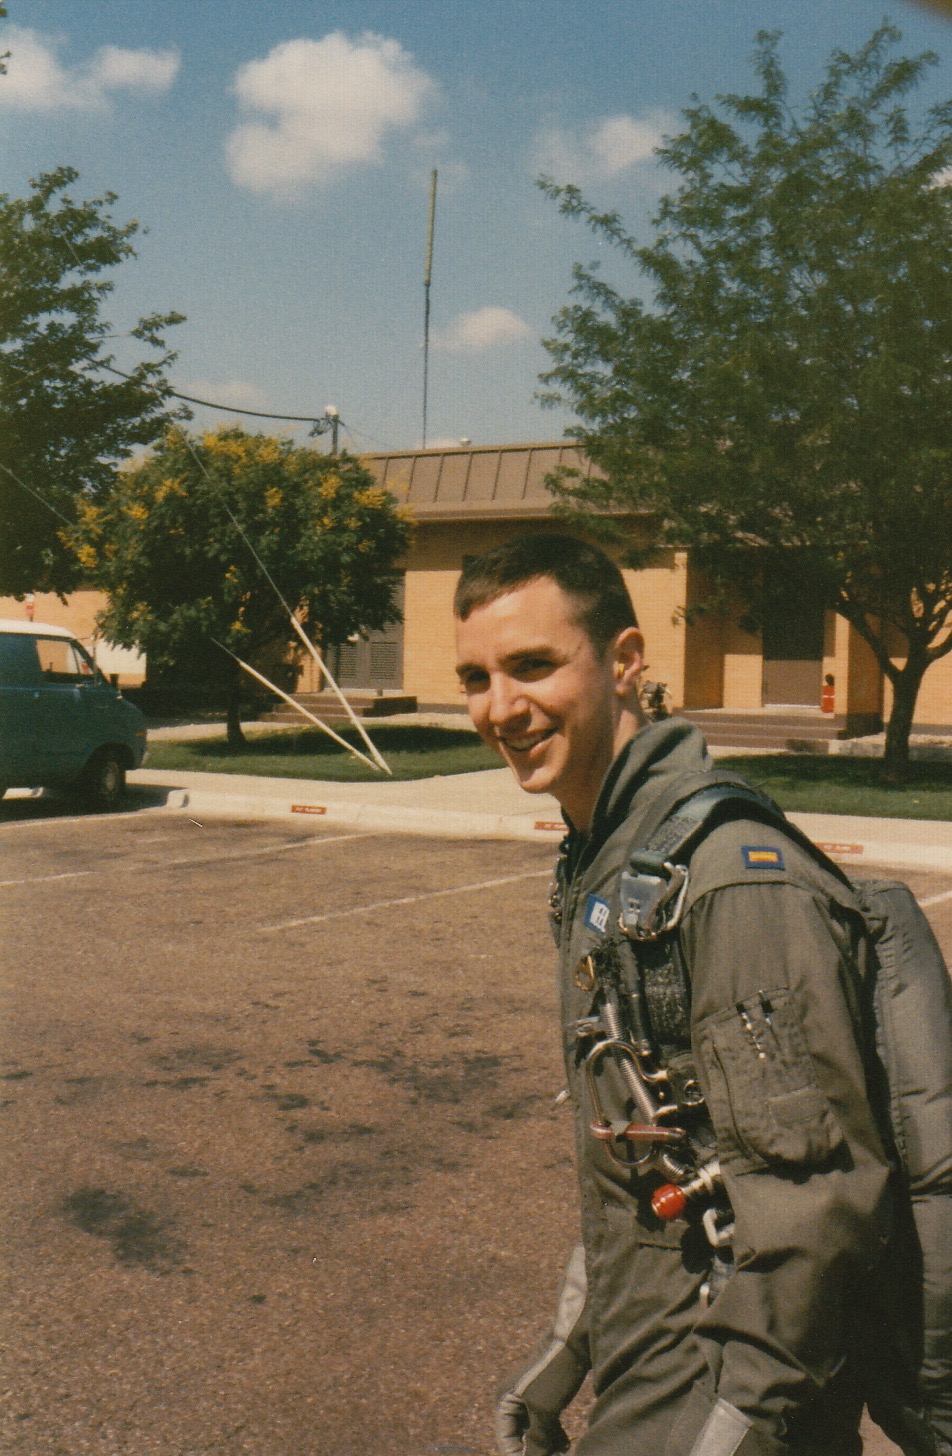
[[827, 694]]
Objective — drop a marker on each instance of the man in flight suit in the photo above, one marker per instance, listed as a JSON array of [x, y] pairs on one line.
[[757, 1363]]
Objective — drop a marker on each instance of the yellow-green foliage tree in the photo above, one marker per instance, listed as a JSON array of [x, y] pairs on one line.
[[172, 543]]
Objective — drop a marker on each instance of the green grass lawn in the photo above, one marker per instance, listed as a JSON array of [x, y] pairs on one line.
[[817, 784], [413, 752], [814, 784]]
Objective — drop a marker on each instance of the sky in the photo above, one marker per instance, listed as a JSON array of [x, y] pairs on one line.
[[278, 158]]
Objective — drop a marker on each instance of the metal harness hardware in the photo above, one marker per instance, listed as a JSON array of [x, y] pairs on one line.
[[652, 895]]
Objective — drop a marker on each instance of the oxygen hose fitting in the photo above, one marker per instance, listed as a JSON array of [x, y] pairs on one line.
[[670, 1200]]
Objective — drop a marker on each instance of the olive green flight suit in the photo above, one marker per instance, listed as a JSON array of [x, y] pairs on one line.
[[763, 1370]]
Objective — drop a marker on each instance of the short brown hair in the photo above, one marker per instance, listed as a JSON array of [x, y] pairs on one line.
[[583, 572]]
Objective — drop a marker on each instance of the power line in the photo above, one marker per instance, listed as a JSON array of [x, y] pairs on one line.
[[320, 421], [36, 494]]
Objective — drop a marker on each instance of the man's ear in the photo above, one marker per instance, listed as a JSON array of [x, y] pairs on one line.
[[628, 660]]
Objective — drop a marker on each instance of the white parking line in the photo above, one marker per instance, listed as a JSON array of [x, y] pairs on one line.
[[936, 899], [405, 900], [265, 849], [179, 863], [44, 879]]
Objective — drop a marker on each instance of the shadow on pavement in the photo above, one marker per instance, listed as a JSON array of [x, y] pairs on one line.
[[26, 805]]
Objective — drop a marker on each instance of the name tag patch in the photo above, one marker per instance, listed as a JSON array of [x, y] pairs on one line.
[[762, 857], [596, 914]]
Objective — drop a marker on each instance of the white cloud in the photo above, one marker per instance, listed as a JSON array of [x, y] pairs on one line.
[[137, 70], [601, 150], [37, 80], [485, 328], [943, 178], [326, 105]]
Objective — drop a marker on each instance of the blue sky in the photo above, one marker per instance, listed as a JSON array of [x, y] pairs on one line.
[[280, 155]]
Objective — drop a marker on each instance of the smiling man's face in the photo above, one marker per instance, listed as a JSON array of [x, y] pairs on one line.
[[543, 698]]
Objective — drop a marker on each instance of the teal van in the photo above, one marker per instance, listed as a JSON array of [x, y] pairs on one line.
[[62, 725]]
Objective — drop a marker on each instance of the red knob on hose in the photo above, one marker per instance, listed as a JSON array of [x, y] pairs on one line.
[[669, 1201]]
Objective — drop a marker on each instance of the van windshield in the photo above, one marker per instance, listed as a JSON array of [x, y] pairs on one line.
[[64, 661]]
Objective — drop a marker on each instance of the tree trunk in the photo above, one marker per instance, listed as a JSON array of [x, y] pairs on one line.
[[906, 686], [236, 739]]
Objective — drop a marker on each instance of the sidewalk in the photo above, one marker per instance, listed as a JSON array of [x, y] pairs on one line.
[[490, 805], [485, 805]]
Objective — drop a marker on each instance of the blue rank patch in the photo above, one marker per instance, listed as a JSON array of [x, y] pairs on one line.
[[762, 857], [596, 914]]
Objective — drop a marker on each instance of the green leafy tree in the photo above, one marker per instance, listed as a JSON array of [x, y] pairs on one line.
[[63, 422], [185, 543], [787, 383]]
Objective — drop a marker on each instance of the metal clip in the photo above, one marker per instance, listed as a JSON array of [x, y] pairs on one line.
[[585, 975], [630, 1133], [652, 902], [587, 1028], [719, 1237]]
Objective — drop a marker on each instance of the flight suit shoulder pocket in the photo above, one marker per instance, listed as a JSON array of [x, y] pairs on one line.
[[765, 1102]]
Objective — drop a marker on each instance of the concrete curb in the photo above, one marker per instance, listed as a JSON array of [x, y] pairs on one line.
[[920, 844], [910, 844], [486, 805], [366, 818]]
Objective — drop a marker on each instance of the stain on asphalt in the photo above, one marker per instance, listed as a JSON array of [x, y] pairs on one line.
[[516, 1108], [178, 1084], [314, 1133], [377, 1182], [319, 1054], [289, 1101], [79, 1090], [138, 1148], [135, 1235], [453, 1079], [196, 1057]]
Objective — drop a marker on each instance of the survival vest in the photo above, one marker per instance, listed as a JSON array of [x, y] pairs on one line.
[[903, 1333]]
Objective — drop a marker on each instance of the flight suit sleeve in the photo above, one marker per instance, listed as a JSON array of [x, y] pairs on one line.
[[529, 1406], [777, 1035]]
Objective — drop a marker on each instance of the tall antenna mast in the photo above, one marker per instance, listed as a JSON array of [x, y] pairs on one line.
[[427, 275]]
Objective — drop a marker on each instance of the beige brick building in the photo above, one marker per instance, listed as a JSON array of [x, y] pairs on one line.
[[467, 499]]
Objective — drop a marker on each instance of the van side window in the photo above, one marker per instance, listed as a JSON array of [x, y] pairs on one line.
[[62, 662], [19, 663]]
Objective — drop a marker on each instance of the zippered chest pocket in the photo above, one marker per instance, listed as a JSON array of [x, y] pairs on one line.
[[764, 1099]]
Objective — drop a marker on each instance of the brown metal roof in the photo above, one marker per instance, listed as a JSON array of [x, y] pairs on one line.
[[485, 482]]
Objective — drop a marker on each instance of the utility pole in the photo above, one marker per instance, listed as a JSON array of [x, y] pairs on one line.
[[333, 414], [427, 275]]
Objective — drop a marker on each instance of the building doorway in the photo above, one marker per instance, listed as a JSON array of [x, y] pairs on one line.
[[374, 662], [793, 641]]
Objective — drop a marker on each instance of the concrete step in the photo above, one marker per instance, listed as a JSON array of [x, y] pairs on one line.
[[328, 707], [808, 732]]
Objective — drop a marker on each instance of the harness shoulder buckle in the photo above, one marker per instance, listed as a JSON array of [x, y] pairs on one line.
[[652, 895]]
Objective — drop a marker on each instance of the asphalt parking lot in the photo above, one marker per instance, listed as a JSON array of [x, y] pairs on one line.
[[283, 1173]]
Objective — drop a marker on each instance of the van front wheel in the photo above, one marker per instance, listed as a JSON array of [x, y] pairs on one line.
[[104, 781]]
